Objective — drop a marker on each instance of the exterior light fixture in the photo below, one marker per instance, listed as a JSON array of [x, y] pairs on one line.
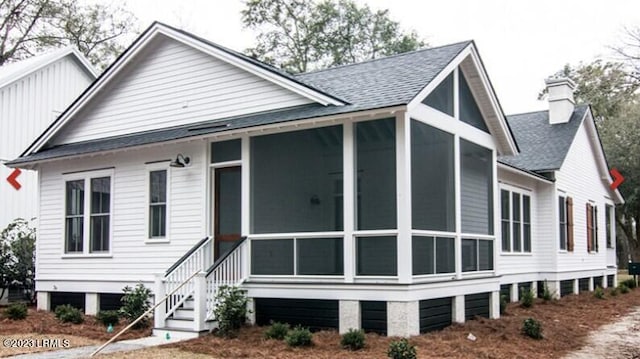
[[180, 161]]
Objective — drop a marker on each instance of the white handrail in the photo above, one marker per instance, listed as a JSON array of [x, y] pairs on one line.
[[229, 272]]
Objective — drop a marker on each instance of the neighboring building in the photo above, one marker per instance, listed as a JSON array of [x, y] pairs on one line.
[[33, 93], [391, 195]]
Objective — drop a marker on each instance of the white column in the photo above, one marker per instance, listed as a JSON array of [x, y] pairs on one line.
[[591, 286], [458, 201], [403, 193], [513, 293], [251, 311], [534, 288], [458, 309], [349, 315], [348, 200], [43, 301], [200, 301], [605, 282], [403, 319], [159, 293], [554, 288], [245, 184], [576, 286], [91, 304], [494, 305]]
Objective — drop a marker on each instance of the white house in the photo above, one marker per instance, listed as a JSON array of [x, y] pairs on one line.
[[33, 93], [391, 195]]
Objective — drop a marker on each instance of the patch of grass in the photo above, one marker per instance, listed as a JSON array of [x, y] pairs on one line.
[[299, 337], [354, 339], [277, 331], [401, 349], [17, 311], [527, 298], [68, 314], [532, 328]]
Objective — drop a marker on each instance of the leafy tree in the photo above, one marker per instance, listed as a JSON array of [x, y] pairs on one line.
[[29, 26], [301, 35], [17, 257], [612, 91]]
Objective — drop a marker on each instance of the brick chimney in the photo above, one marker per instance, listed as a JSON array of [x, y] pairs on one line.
[[561, 103]]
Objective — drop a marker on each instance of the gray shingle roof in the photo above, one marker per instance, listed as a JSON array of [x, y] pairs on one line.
[[374, 84], [543, 147]]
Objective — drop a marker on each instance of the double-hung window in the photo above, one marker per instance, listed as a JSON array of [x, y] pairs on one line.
[[516, 221], [609, 216], [158, 204], [88, 213], [592, 228]]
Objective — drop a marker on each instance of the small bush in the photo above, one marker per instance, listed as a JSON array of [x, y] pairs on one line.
[[135, 302], [401, 349], [277, 331], [614, 291], [546, 293], [299, 337], [16, 311], [527, 298], [532, 328], [503, 303], [598, 293], [623, 288], [231, 311], [630, 283], [107, 317], [353, 339], [68, 314]]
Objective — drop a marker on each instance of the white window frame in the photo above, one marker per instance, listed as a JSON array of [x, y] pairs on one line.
[[522, 192], [566, 222], [610, 237], [152, 167], [86, 233]]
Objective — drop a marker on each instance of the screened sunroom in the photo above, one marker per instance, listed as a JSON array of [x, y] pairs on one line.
[[400, 199]]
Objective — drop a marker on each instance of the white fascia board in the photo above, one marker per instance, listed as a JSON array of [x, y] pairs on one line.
[[141, 43], [253, 69]]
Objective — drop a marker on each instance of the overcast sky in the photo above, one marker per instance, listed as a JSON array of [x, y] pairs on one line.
[[520, 42]]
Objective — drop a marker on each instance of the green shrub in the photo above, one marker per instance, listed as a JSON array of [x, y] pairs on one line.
[[503, 303], [630, 283], [546, 293], [401, 349], [623, 288], [527, 298], [614, 291], [16, 311], [353, 339], [532, 328], [598, 293], [299, 337], [68, 314], [277, 331], [135, 302], [107, 317], [231, 311]]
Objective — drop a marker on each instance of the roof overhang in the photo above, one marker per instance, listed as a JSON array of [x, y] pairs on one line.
[[522, 172], [159, 29], [471, 64]]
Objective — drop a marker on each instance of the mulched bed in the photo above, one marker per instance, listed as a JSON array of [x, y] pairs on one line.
[[566, 325], [42, 322]]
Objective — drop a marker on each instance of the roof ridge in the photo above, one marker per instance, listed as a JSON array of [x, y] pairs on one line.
[[383, 58]]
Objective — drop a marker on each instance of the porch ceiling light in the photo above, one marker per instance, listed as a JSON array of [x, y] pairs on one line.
[[180, 161]]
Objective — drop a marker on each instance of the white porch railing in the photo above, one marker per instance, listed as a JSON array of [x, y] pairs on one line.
[[230, 271], [198, 259]]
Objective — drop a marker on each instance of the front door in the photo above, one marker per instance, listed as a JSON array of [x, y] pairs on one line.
[[227, 209]]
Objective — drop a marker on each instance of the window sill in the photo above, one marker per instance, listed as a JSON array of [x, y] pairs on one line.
[[517, 254], [157, 241], [87, 255]]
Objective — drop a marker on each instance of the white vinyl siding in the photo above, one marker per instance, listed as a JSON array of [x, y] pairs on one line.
[[177, 85]]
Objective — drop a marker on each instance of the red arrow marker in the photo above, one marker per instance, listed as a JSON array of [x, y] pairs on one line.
[[617, 178], [12, 179]]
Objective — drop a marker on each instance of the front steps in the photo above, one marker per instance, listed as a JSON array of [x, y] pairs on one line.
[[180, 324]]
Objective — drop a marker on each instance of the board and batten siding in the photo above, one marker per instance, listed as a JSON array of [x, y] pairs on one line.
[[27, 106], [133, 257], [174, 84], [580, 179]]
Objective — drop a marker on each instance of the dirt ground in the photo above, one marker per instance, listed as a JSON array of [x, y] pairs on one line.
[[567, 325], [41, 324]]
